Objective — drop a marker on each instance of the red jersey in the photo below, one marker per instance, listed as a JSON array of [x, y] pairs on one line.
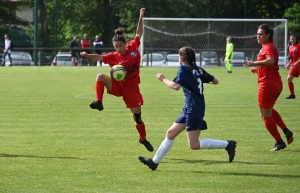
[[268, 75], [294, 52], [85, 43], [130, 60]]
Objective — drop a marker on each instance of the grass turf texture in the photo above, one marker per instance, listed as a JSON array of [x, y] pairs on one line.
[[51, 141]]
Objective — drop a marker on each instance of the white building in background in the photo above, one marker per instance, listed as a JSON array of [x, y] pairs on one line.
[[25, 13]]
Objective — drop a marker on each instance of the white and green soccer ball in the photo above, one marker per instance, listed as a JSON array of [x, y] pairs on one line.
[[118, 73]]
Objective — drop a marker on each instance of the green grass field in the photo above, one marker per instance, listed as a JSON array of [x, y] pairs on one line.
[[51, 141]]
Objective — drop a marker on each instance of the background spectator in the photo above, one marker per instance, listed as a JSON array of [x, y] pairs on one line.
[[98, 44], [74, 44], [85, 43], [7, 50]]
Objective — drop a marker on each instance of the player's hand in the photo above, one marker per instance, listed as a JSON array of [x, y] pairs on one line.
[[287, 66], [84, 54], [248, 63], [142, 11], [253, 70], [160, 76]]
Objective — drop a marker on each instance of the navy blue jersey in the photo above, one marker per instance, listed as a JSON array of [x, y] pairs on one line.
[[192, 84], [73, 44]]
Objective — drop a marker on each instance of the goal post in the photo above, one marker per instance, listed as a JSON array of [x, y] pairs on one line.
[[168, 35]]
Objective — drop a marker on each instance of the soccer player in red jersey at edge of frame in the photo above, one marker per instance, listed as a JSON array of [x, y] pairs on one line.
[[127, 55], [294, 52], [269, 86]]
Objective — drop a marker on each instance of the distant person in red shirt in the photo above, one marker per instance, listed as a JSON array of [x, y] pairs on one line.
[[129, 56], [269, 85], [85, 43], [294, 53]]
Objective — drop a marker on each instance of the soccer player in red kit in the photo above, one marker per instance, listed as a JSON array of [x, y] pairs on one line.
[[269, 85], [127, 55], [294, 52]]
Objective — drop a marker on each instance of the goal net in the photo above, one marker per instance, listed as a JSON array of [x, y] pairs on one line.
[[168, 35]]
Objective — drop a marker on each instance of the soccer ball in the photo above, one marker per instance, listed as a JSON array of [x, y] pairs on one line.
[[118, 73]]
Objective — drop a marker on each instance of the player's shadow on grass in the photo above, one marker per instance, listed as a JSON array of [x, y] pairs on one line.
[[253, 174], [213, 162], [33, 156]]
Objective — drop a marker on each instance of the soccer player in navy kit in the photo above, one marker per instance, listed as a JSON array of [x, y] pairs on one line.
[[190, 78]]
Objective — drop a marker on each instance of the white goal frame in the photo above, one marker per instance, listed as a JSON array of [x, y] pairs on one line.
[[282, 23]]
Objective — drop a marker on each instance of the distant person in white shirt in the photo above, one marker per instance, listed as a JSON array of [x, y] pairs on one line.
[[7, 50], [98, 44]]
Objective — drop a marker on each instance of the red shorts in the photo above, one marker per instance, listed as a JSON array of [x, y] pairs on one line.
[[268, 95], [131, 94], [295, 71]]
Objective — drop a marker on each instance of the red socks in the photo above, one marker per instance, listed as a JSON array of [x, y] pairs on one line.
[[142, 130], [272, 128], [99, 90], [278, 120], [291, 87]]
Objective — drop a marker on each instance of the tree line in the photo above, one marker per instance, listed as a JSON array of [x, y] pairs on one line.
[[60, 20]]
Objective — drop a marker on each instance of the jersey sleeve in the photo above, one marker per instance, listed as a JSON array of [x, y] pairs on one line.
[[231, 48], [178, 79], [206, 77], [298, 48], [269, 52], [109, 59], [134, 44]]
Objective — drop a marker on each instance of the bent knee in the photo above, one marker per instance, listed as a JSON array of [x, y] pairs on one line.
[[170, 134], [100, 77], [290, 79]]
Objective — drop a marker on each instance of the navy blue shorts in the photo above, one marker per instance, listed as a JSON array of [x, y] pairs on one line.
[[193, 121]]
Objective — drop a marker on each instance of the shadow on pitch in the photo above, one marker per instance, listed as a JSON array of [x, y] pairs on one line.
[[213, 162], [41, 157], [252, 174]]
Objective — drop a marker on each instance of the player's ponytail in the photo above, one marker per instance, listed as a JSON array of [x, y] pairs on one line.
[[189, 57]]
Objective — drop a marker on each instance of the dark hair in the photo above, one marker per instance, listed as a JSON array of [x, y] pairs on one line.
[[268, 30], [188, 57], [118, 35], [296, 36]]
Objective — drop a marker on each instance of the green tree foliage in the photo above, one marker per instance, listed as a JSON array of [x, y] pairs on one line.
[[62, 19], [293, 15], [9, 23]]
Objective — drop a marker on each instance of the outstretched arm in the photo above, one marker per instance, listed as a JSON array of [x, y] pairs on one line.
[[215, 81], [139, 29], [169, 83], [95, 57]]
